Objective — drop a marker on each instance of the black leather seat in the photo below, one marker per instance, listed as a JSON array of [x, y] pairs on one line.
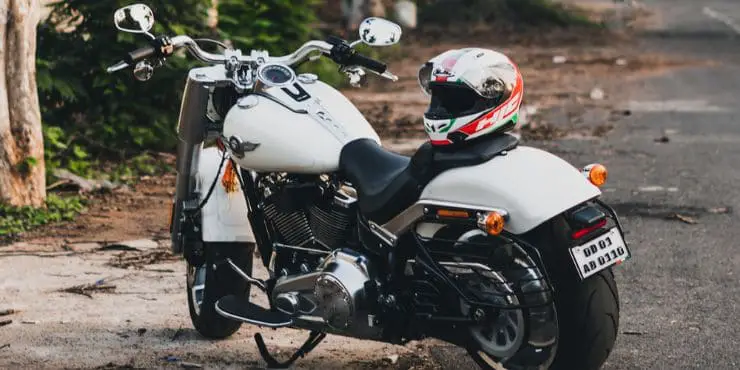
[[383, 179], [387, 183]]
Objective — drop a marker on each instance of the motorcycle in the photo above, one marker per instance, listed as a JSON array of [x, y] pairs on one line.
[[499, 248]]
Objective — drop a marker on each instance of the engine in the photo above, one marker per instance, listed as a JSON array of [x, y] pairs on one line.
[[318, 273], [308, 217], [342, 292]]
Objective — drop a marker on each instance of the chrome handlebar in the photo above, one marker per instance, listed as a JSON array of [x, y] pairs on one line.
[[291, 59], [299, 55]]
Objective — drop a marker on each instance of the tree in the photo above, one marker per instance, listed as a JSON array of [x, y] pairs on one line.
[[22, 172]]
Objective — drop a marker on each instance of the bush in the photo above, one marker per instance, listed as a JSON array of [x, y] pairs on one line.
[[278, 26], [14, 220], [89, 113]]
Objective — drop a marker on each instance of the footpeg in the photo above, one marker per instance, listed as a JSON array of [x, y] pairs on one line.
[[240, 309]]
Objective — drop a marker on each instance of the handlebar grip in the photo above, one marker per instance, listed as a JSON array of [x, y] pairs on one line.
[[140, 54], [367, 62]]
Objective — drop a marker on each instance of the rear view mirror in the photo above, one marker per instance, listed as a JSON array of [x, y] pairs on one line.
[[379, 32], [136, 18]]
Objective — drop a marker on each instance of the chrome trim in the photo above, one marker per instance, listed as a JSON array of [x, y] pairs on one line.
[[251, 321], [384, 235], [276, 100], [406, 219], [470, 265], [280, 245], [246, 277]]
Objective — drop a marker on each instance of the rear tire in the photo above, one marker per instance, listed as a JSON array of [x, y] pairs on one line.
[[217, 284], [588, 310]]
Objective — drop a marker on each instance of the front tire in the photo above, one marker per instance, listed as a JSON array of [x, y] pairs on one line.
[[205, 286]]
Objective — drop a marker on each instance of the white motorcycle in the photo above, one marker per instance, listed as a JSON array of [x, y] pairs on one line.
[[502, 249]]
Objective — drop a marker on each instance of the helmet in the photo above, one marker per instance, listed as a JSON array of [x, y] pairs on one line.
[[474, 92]]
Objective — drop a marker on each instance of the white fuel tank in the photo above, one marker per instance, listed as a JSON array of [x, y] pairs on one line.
[[300, 128]]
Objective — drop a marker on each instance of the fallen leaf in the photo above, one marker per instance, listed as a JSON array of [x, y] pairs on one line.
[[190, 365], [686, 219]]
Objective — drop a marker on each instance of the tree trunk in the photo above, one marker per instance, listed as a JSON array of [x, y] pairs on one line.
[[22, 173]]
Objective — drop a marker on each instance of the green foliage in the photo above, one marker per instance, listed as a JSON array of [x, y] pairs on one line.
[[278, 26], [14, 220], [90, 116], [88, 113]]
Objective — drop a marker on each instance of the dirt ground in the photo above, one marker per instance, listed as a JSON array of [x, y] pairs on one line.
[[125, 304]]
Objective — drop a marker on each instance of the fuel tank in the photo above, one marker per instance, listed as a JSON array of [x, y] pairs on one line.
[[300, 128]]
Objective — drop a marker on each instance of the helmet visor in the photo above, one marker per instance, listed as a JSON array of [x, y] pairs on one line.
[[493, 82]]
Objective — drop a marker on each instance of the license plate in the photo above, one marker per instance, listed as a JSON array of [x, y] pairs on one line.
[[600, 253]]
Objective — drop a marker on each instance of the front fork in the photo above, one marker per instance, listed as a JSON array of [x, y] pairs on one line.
[[191, 131]]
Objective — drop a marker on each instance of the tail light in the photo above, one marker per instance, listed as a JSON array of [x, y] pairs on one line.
[[586, 220]]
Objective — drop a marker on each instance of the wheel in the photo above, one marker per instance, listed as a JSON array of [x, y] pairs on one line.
[[205, 286], [514, 338], [586, 315], [588, 311], [518, 338]]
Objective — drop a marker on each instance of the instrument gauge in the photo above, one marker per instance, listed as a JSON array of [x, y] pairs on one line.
[[275, 75]]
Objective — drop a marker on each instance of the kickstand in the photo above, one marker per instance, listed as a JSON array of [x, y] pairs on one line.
[[313, 340]]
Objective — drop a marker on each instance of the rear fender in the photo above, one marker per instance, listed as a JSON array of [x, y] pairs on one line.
[[224, 216], [530, 186]]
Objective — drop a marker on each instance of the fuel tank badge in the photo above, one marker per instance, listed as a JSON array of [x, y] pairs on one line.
[[240, 147]]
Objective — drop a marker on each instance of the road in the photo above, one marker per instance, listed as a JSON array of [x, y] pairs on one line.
[[679, 293]]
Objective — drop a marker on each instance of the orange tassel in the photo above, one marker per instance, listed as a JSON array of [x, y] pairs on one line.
[[229, 180]]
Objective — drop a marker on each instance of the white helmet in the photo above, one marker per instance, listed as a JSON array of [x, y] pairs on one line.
[[474, 92]]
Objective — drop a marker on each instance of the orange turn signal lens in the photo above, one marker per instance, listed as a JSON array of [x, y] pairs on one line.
[[596, 174], [452, 213], [492, 223]]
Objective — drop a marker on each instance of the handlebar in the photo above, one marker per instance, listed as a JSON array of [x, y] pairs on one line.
[[339, 52]]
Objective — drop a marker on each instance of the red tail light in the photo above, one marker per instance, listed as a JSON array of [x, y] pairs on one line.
[[583, 232]]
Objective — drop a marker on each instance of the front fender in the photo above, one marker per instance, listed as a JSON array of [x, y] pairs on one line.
[[531, 184], [224, 216]]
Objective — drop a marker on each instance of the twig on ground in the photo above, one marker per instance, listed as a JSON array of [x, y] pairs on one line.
[[126, 260], [87, 289], [5, 322], [6, 345], [8, 311]]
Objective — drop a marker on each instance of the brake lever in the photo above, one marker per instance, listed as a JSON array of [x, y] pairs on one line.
[[385, 74], [117, 67], [389, 76]]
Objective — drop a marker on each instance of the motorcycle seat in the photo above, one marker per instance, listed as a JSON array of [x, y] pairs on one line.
[[387, 182]]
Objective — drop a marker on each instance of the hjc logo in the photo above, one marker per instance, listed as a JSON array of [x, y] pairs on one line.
[[496, 115]]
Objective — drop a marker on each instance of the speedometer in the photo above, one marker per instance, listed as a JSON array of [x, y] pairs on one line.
[[275, 75]]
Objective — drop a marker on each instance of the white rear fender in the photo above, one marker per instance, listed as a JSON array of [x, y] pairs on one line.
[[530, 185], [224, 216]]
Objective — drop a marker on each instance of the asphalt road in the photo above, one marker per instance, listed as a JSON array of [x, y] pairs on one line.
[[679, 293]]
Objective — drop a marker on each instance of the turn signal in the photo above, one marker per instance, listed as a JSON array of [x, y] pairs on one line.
[[452, 213], [596, 174], [492, 223]]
